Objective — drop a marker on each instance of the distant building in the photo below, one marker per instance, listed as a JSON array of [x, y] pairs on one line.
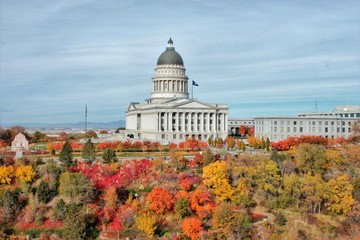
[[169, 114], [235, 123], [337, 123], [19, 143]]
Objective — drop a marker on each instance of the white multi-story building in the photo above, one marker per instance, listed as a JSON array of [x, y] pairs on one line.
[[327, 124], [235, 123], [169, 114]]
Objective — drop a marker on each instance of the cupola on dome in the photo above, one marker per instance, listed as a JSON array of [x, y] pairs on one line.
[[170, 56]]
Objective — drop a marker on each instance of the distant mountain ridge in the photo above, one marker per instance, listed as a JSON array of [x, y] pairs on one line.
[[94, 125]]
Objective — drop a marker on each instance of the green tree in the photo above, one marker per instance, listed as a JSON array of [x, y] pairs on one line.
[[90, 134], [42, 192], [74, 226], [75, 186], [182, 207], [310, 157], [38, 136], [9, 205], [209, 157], [109, 155], [88, 151], [59, 211], [66, 154]]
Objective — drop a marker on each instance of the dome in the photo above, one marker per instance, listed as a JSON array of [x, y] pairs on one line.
[[170, 56]]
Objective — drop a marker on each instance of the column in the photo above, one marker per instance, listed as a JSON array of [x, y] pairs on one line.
[[159, 121], [202, 122], [166, 122], [170, 121], [177, 116], [183, 121]]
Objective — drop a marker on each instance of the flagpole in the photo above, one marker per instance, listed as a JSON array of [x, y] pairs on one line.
[[192, 90], [85, 118]]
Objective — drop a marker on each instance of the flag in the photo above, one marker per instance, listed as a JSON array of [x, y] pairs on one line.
[[194, 83], [85, 110]]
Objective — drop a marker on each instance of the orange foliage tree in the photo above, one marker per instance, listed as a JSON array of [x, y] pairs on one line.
[[191, 227], [201, 202], [160, 200]]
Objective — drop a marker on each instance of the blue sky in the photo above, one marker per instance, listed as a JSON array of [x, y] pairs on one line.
[[262, 58]]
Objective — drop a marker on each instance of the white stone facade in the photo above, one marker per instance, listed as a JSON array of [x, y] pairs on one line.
[[330, 125], [170, 115]]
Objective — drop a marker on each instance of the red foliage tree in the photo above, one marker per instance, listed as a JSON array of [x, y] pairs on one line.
[[3, 144], [251, 131], [242, 130], [76, 146], [172, 145], [160, 200]]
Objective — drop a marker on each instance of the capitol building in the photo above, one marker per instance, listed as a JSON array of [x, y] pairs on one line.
[[170, 114]]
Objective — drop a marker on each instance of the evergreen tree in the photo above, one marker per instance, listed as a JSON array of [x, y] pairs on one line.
[[267, 144], [65, 155], [59, 211], [208, 157], [88, 151], [74, 226], [78, 225], [42, 192], [109, 155]]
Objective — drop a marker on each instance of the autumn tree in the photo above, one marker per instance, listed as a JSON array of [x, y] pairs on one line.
[[201, 202], [310, 157], [191, 227], [268, 179], [230, 223], [89, 152], [146, 222], [160, 200], [109, 155], [66, 154], [111, 199], [177, 160], [25, 172], [216, 178], [340, 197], [230, 142], [292, 185], [6, 174], [315, 190]]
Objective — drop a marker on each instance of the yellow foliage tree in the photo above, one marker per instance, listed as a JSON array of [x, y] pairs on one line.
[[269, 177], [6, 174], [146, 223], [216, 178], [340, 197], [25, 173]]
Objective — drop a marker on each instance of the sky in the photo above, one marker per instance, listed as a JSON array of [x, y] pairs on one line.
[[262, 58]]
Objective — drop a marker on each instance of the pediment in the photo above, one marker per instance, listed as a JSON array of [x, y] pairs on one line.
[[194, 104]]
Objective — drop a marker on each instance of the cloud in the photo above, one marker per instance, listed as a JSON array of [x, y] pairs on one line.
[[257, 56]]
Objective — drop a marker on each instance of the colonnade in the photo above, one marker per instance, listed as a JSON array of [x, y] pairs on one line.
[[170, 86], [192, 121]]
